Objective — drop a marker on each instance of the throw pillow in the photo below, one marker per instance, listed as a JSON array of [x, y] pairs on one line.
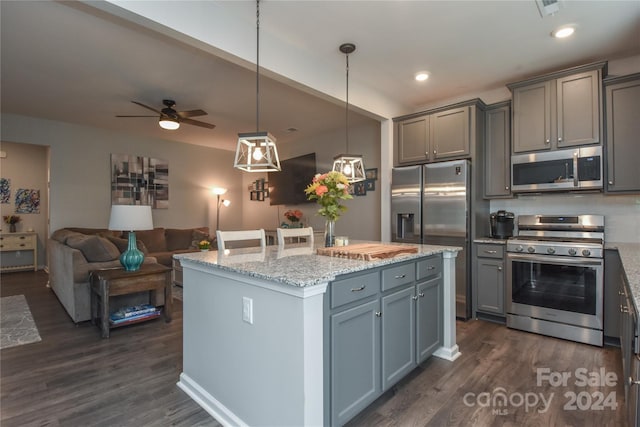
[[154, 240], [94, 248]]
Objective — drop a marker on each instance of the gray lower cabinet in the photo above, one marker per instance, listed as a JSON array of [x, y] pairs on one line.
[[497, 151], [489, 279], [398, 335], [381, 324], [623, 127], [429, 317], [355, 360]]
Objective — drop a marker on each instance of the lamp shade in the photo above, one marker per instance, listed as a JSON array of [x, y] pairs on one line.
[[351, 165], [257, 152], [130, 218]]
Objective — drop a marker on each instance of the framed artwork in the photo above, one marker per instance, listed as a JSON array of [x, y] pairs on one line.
[[370, 184], [360, 189], [371, 174], [137, 180], [5, 190], [27, 201]]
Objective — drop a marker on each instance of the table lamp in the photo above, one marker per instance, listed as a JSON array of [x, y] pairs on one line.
[[131, 218]]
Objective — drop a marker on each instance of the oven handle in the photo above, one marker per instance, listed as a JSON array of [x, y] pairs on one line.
[[555, 259]]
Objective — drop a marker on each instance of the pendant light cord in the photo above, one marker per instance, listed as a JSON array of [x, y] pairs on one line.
[[347, 107], [257, 65]]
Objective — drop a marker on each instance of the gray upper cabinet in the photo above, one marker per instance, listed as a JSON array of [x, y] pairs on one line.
[[497, 173], [443, 134], [413, 140], [623, 133], [558, 110], [450, 133]]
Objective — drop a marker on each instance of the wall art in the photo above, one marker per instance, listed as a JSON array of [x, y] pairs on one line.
[[5, 190], [27, 201], [137, 180]]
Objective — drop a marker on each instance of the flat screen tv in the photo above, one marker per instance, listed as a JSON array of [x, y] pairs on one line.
[[287, 186]]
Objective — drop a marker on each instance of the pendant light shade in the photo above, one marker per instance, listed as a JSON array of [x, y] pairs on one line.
[[257, 151], [351, 165]]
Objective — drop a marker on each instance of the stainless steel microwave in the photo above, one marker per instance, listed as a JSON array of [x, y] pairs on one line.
[[560, 170]]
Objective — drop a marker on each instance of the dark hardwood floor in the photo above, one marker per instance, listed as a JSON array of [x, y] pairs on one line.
[[75, 378]]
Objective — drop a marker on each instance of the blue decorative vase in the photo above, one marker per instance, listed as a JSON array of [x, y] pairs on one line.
[[132, 258]]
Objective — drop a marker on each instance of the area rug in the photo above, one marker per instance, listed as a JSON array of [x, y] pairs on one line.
[[176, 291], [16, 322]]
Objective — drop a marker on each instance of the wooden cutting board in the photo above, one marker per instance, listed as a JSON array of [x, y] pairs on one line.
[[367, 251]]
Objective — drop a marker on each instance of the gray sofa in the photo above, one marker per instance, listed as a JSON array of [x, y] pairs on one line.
[[74, 252]]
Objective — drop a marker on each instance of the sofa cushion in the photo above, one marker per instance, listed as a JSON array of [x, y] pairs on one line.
[[178, 239], [154, 240], [94, 248], [63, 234], [99, 231], [123, 244]]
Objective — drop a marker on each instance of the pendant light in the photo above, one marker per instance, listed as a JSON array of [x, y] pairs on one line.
[[351, 165], [257, 151]]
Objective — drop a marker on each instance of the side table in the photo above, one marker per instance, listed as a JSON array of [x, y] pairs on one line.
[[108, 283]]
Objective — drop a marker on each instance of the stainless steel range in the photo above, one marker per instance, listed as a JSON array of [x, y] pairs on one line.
[[555, 276]]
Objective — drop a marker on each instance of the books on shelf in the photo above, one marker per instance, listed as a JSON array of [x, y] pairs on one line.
[[135, 313]]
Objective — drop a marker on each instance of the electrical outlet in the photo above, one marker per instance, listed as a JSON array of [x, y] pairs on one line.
[[247, 310]]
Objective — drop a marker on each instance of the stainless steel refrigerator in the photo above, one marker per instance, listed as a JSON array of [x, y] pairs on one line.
[[430, 204]]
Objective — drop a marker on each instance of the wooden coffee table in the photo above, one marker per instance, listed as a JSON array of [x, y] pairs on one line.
[[108, 283]]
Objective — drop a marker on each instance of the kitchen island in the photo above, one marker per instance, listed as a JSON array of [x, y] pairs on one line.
[[289, 337]]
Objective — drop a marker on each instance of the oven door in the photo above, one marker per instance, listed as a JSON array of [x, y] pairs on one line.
[[556, 288]]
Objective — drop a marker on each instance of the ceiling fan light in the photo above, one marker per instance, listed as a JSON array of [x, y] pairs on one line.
[[351, 166], [169, 123], [563, 32], [248, 144]]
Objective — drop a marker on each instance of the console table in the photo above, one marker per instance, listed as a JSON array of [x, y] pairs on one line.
[[20, 241], [109, 283]]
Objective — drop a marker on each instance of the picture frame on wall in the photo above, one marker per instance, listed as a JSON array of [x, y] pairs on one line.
[[370, 184], [360, 189], [371, 174]]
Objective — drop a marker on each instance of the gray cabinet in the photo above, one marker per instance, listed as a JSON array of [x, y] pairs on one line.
[[497, 152], [429, 317], [489, 279], [612, 272], [623, 128], [355, 360], [429, 137], [559, 110], [413, 140], [398, 335], [380, 324]]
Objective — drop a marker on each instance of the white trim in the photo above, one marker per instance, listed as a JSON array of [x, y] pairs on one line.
[[216, 409], [449, 354]]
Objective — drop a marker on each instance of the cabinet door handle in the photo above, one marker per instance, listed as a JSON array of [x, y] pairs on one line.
[[547, 141], [402, 276], [490, 252], [631, 381], [610, 182], [421, 294], [415, 298], [506, 188], [378, 314], [431, 267], [361, 288], [499, 268], [623, 309], [435, 152], [559, 139]]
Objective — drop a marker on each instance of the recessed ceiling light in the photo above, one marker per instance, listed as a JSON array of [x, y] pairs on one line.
[[422, 76], [563, 32]]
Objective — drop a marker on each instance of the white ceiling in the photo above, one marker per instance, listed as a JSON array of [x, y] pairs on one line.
[[79, 63]]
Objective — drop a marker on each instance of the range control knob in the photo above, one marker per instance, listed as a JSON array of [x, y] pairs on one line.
[[551, 251], [586, 252], [519, 248], [572, 252], [531, 249]]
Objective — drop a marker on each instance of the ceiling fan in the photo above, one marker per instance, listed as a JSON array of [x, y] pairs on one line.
[[171, 119]]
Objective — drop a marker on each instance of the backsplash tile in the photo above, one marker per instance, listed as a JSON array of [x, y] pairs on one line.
[[622, 212]]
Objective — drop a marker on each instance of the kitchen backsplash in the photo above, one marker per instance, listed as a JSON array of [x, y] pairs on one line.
[[622, 213]]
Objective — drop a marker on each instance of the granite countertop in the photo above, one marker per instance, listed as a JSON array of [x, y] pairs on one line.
[[630, 257], [299, 265]]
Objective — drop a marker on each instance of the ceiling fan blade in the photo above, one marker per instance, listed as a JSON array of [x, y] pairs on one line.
[[191, 113], [137, 116], [197, 123], [147, 107]]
